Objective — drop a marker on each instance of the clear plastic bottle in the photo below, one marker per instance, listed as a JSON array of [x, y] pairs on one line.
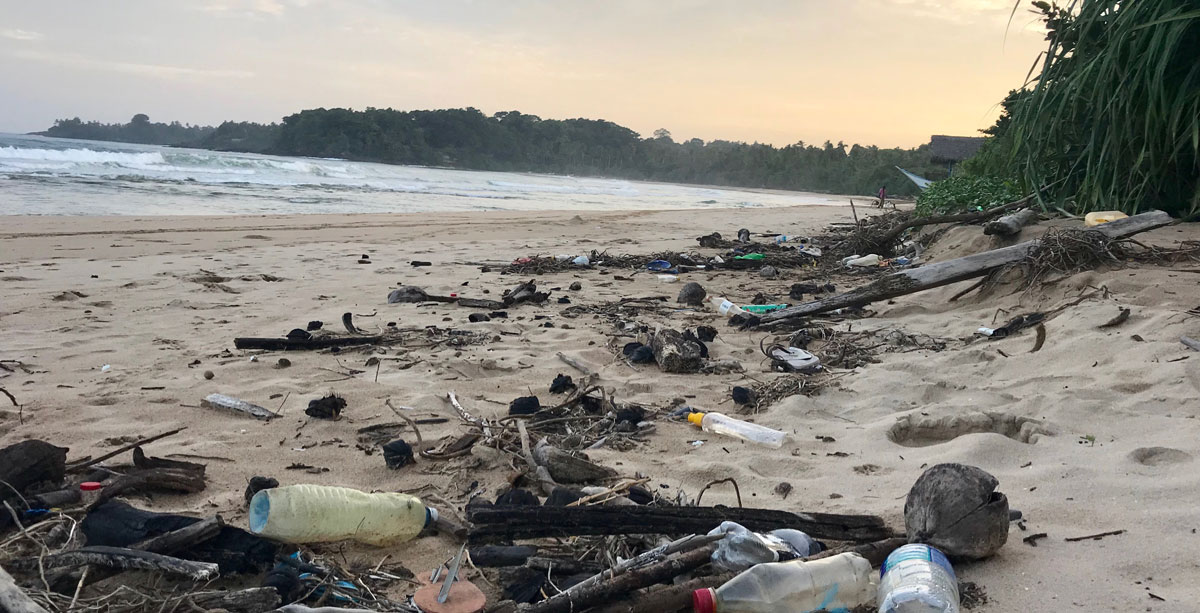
[[725, 307], [742, 549], [917, 579], [728, 426], [321, 514], [837, 583]]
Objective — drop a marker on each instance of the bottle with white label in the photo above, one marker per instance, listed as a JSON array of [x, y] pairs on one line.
[[725, 307], [917, 579]]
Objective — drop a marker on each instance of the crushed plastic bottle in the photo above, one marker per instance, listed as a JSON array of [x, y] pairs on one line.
[[865, 261], [322, 514], [741, 548], [837, 584], [917, 579], [759, 309], [582, 261], [724, 425]]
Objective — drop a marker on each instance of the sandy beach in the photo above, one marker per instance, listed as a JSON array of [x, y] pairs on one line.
[[159, 300]]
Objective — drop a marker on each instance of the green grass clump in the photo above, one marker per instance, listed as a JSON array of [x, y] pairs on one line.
[[1112, 121], [962, 193]]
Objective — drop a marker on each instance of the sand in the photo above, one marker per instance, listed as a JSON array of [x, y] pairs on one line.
[[1118, 406]]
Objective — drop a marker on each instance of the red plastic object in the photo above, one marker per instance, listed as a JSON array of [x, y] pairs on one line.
[[704, 601], [90, 486]]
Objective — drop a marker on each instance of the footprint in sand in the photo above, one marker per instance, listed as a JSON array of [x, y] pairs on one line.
[[925, 430], [1157, 456]]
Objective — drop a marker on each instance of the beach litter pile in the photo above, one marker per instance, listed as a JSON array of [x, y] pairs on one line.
[[565, 532]]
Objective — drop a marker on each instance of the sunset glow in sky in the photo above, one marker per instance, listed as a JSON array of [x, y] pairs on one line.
[[884, 72]]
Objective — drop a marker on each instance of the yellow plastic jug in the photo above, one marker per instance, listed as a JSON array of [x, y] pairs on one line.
[[1096, 218]]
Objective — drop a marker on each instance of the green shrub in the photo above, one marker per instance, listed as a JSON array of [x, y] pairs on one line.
[[962, 193]]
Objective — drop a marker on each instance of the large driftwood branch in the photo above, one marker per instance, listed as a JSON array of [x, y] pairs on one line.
[[13, 600], [1010, 225], [118, 557], [490, 524], [916, 222], [919, 279]]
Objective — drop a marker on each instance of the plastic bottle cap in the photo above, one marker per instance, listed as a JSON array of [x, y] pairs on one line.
[[696, 418], [90, 486], [704, 601]]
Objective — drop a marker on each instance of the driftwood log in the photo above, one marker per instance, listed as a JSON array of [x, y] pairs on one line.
[[13, 600], [250, 600], [495, 523], [674, 353], [169, 479], [476, 303], [117, 557], [663, 598], [297, 344], [27, 463], [235, 405], [922, 278], [1010, 225], [622, 584]]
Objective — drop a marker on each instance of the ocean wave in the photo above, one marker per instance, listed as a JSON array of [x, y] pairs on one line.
[[81, 156]]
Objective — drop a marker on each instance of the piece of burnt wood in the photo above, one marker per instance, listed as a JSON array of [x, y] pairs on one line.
[[918, 279], [169, 479], [662, 598], [620, 585], [13, 600], [674, 353], [27, 463], [117, 557], [82, 464], [296, 344], [502, 555], [496, 523], [525, 292], [141, 460], [1010, 225]]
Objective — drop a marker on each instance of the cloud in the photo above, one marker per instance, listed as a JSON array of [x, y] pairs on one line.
[[254, 7], [19, 34], [160, 71]]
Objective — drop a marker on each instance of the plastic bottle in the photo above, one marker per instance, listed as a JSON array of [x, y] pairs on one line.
[[322, 514], [782, 238], [871, 259], [725, 307], [742, 549], [728, 426], [838, 584], [917, 579]]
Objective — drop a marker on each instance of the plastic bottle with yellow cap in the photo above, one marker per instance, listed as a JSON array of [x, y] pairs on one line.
[[728, 426]]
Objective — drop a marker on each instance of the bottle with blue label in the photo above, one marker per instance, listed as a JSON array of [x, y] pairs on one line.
[[917, 579]]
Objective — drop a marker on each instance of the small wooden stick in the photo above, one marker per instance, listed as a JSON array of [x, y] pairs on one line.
[[576, 364], [608, 492], [86, 463]]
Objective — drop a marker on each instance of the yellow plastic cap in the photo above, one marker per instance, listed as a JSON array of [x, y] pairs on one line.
[[696, 418]]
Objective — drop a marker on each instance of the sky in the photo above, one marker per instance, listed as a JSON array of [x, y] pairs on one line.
[[882, 72]]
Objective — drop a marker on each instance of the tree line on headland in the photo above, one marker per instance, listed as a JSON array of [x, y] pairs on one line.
[[517, 142]]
